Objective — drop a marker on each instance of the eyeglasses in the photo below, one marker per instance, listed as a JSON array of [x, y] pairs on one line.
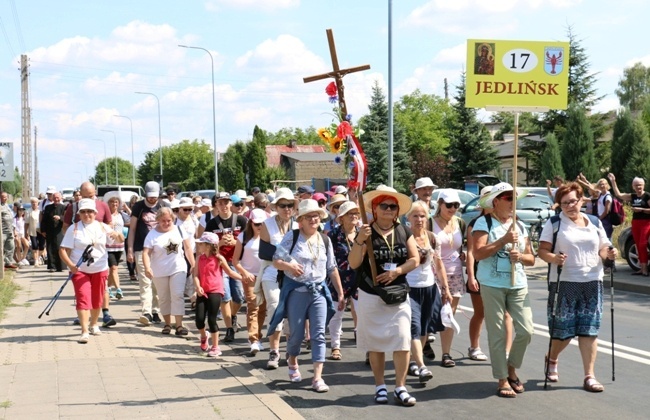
[[312, 216], [175, 210], [353, 214], [257, 224], [391, 207], [454, 205], [505, 197], [336, 206], [285, 206], [187, 210], [569, 203]]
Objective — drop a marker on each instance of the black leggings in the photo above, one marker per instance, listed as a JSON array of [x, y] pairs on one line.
[[208, 306]]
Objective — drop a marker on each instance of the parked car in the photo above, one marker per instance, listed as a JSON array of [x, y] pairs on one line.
[[627, 247], [205, 193], [67, 193], [465, 197], [103, 189], [185, 194], [527, 209]]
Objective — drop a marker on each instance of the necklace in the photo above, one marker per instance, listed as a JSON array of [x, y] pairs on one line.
[[314, 255], [282, 226], [384, 229]]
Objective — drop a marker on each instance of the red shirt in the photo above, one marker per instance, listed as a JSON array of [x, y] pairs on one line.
[[211, 275], [103, 213]]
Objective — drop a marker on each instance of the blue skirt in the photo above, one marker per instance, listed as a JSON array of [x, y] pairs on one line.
[[579, 309]]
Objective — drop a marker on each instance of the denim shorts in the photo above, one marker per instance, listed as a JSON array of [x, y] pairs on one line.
[[233, 290]]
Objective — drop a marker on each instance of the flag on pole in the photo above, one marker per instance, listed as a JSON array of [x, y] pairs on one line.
[[358, 164]]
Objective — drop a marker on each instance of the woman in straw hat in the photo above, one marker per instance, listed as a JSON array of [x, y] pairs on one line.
[[383, 327], [89, 279], [307, 259], [493, 248]]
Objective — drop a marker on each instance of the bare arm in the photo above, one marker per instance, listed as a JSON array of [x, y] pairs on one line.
[[358, 251], [227, 269], [626, 197]]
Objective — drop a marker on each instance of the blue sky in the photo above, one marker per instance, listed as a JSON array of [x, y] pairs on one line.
[[88, 58]]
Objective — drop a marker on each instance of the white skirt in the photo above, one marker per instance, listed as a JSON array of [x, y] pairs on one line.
[[380, 327]]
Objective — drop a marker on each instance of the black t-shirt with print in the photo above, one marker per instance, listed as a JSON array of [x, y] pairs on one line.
[[146, 221], [218, 225]]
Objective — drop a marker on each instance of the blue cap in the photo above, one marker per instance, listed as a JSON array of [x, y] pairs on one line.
[[235, 199], [305, 189]]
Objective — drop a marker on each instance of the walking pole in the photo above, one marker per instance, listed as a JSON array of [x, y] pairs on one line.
[[610, 263], [550, 332], [84, 257]]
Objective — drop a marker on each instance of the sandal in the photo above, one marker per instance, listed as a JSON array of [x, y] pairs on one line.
[[592, 385], [516, 385], [552, 374], [167, 329], [319, 386], [413, 370], [381, 396], [447, 361], [425, 375], [475, 353], [506, 392], [403, 398], [336, 354], [427, 351], [181, 330], [294, 374]]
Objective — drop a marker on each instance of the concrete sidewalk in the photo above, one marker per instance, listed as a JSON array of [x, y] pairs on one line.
[[129, 371]]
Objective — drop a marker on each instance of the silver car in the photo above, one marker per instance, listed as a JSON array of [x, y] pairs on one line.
[[628, 248], [530, 209]]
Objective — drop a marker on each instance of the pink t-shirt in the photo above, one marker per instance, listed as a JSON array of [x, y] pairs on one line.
[[211, 275]]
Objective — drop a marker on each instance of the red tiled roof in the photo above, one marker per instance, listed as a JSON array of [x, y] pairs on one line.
[[273, 152]]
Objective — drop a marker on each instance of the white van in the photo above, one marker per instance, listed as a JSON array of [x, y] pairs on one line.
[[103, 189]]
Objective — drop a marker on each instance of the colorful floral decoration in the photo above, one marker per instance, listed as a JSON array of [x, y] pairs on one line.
[[343, 139]]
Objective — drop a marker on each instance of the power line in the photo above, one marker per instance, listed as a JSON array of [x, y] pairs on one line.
[[14, 11], [4, 32]]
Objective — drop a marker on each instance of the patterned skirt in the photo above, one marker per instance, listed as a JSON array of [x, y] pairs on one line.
[[579, 309]]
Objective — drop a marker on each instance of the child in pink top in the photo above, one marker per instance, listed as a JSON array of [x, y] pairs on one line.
[[208, 282]]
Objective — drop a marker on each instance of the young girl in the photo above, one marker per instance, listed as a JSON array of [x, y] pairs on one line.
[[208, 283]]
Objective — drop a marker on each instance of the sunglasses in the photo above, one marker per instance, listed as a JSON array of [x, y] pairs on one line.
[[239, 205], [452, 205], [285, 206], [175, 210], [336, 206], [187, 209], [507, 197], [257, 224], [391, 207]]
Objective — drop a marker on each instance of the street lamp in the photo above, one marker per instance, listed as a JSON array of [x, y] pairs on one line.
[[94, 166], [117, 181], [214, 120], [159, 137], [105, 162], [132, 156]]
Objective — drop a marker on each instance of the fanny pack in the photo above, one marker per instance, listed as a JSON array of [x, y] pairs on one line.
[[392, 294]]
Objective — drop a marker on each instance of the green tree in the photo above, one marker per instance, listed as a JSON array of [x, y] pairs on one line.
[[578, 146], [15, 187], [637, 163], [645, 113], [436, 168], [231, 167], [423, 118], [375, 145], [189, 165], [552, 159], [285, 135], [621, 149], [634, 87], [256, 158], [469, 149], [275, 174], [106, 169], [528, 123]]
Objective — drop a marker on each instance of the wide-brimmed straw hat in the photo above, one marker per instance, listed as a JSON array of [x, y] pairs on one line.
[[403, 201], [310, 206], [346, 208], [283, 194], [486, 201], [87, 204], [337, 198], [186, 202]]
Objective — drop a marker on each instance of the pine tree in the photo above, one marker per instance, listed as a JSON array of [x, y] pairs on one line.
[[637, 163], [578, 146], [375, 145], [621, 149], [256, 158], [469, 149], [231, 173], [552, 159]]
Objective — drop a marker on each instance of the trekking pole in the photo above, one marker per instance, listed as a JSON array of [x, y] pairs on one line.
[[610, 263], [550, 332], [84, 257]]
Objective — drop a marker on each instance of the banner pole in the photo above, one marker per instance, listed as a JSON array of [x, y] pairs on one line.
[[514, 191], [369, 249]]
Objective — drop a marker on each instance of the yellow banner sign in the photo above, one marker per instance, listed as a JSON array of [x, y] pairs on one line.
[[517, 74]]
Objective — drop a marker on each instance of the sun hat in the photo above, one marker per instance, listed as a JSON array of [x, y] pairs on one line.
[[283, 194], [258, 216], [241, 194], [486, 190], [341, 190], [449, 196], [205, 202], [346, 207], [424, 182], [87, 204], [249, 198], [185, 202], [151, 189], [310, 206], [337, 198], [447, 317], [402, 200], [50, 190], [209, 238], [501, 187]]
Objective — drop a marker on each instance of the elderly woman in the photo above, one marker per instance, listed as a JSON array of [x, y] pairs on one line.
[[498, 245], [273, 231], [115, 249], [640, 201], [33, 228], [164, 262], [382, 327], [89, 280], [423, 288], [333, 207], [186, 221], [342, 237], [307, 259], [579, 247]]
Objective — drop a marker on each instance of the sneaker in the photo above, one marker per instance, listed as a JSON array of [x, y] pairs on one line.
[[431, 338], [230, 335], [11, 266], [259, 343], [111, 293], [76, 322], [145, 319], [274, 360], [156, 319], [22, 264], [118, 294], [108, 321], [214, 351], [25, 261], [476, 354], [95, 330], [428, 352], [84, 338], [204, 343], [235, 325], [255, 348]]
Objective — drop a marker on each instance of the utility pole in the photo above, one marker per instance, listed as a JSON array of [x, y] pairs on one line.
[[36, 179], [26, 140]]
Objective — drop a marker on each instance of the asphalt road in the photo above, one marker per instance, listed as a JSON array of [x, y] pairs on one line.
[[469, 391]]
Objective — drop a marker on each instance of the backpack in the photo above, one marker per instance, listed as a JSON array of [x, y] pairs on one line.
[[616, 212]]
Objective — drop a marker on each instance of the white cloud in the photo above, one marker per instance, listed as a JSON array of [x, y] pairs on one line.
[[606, 104], [284, 55], [215, 5], [453, 55], [643, 60]]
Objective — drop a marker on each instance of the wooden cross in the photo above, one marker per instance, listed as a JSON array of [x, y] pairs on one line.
[[337, 74]]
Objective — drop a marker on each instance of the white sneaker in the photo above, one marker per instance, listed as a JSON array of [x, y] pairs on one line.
[[259, 343], [25, 262], [83, 339], [255, 348], [95, 330]]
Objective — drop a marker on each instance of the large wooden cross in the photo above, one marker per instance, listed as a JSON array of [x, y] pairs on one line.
[[337, 74]]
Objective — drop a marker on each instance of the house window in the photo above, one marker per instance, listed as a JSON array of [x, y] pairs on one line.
[[506, 175]]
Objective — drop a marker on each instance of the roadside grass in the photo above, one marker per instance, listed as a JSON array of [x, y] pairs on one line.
[[8, 291]]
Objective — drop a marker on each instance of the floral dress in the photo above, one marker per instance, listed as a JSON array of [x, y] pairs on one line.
[[342, 247]]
